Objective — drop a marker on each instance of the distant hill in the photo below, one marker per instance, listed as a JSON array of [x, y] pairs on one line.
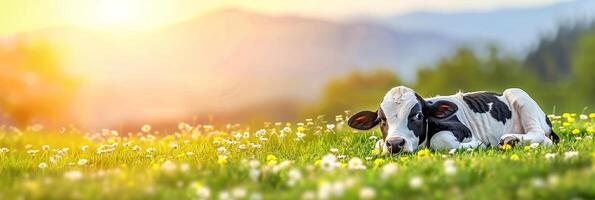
[[515, 28], [224, 60]]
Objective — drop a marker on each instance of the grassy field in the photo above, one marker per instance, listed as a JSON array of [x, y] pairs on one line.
[[315, 159]]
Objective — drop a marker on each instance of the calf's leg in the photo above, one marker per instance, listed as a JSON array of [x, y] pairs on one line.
[[531, 117]]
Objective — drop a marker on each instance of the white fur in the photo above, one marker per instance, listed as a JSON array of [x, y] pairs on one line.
[[396, 106]]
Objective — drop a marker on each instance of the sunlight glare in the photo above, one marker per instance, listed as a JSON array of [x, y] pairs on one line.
[[118, 13]]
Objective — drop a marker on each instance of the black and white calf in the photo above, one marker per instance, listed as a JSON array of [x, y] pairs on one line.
[[464, 120]]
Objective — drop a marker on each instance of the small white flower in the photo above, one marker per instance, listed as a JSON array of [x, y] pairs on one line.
[[584, 117], [415, 182], [294, 175], [538, 182], [300, 135], [84, 148], [42, 165], [373, 138], [221, 149], [334, 150], [389, 169], [4, 150], [328, 162], [137, 148], [449, 167], [189, 154], [239, 193], [254, 174], [146, 128], [224, 195], [255, 196], [168, 166], [253, 164], [53, 159], [184, 167], [32, 151], [550, 156], [83, 161], [367, 193], [570, 154], [203, 192], [308, 195], [338, 188], [173, 145], [45, 147], [73, 175], [330, 126], [534, 145], [356, 164]]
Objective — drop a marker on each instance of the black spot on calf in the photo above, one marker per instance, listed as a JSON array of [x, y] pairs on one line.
[[453, 124], [480, 103]]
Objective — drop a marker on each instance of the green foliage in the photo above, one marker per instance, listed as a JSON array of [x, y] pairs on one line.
[[466, 71], [583, 79], [552, 59], [357, 90]]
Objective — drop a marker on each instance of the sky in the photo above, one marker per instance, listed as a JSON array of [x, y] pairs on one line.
[[133, 15]]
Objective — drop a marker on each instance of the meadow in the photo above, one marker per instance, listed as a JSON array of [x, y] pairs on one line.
[[318, 158]]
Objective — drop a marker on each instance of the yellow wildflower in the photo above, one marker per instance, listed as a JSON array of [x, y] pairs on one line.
[[592, 115], [378, 161], [514, 157], [271, 159], [566, 115], [375, 151], [566, 124], [571, 119], [301, 129], [403, 159], [317, 162], [506, 147], [222, 160], [423, 153], [576, 131]]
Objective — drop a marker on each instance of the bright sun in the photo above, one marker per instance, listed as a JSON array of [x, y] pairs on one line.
[[118, 13]]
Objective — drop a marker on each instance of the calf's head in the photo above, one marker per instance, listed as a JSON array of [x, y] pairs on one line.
[[403, 117]]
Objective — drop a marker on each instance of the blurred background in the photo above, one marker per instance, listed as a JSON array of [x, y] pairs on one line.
[[122, 63]]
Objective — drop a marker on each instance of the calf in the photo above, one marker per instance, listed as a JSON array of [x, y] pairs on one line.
[[464, 120]]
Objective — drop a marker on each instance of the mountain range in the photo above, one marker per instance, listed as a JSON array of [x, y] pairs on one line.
[[225, 60], [516, 29]]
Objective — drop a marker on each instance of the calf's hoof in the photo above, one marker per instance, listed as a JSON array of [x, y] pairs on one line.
[[509, 140]]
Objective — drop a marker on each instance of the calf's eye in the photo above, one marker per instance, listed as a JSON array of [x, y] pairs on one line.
[[417, 116]]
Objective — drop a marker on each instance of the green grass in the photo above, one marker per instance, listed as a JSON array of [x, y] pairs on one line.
[[285, 167]]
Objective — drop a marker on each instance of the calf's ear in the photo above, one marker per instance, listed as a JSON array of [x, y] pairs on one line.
[[363, 120], [442, 109]]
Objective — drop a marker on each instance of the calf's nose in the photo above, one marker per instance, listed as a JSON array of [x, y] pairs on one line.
[[395, 144]]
